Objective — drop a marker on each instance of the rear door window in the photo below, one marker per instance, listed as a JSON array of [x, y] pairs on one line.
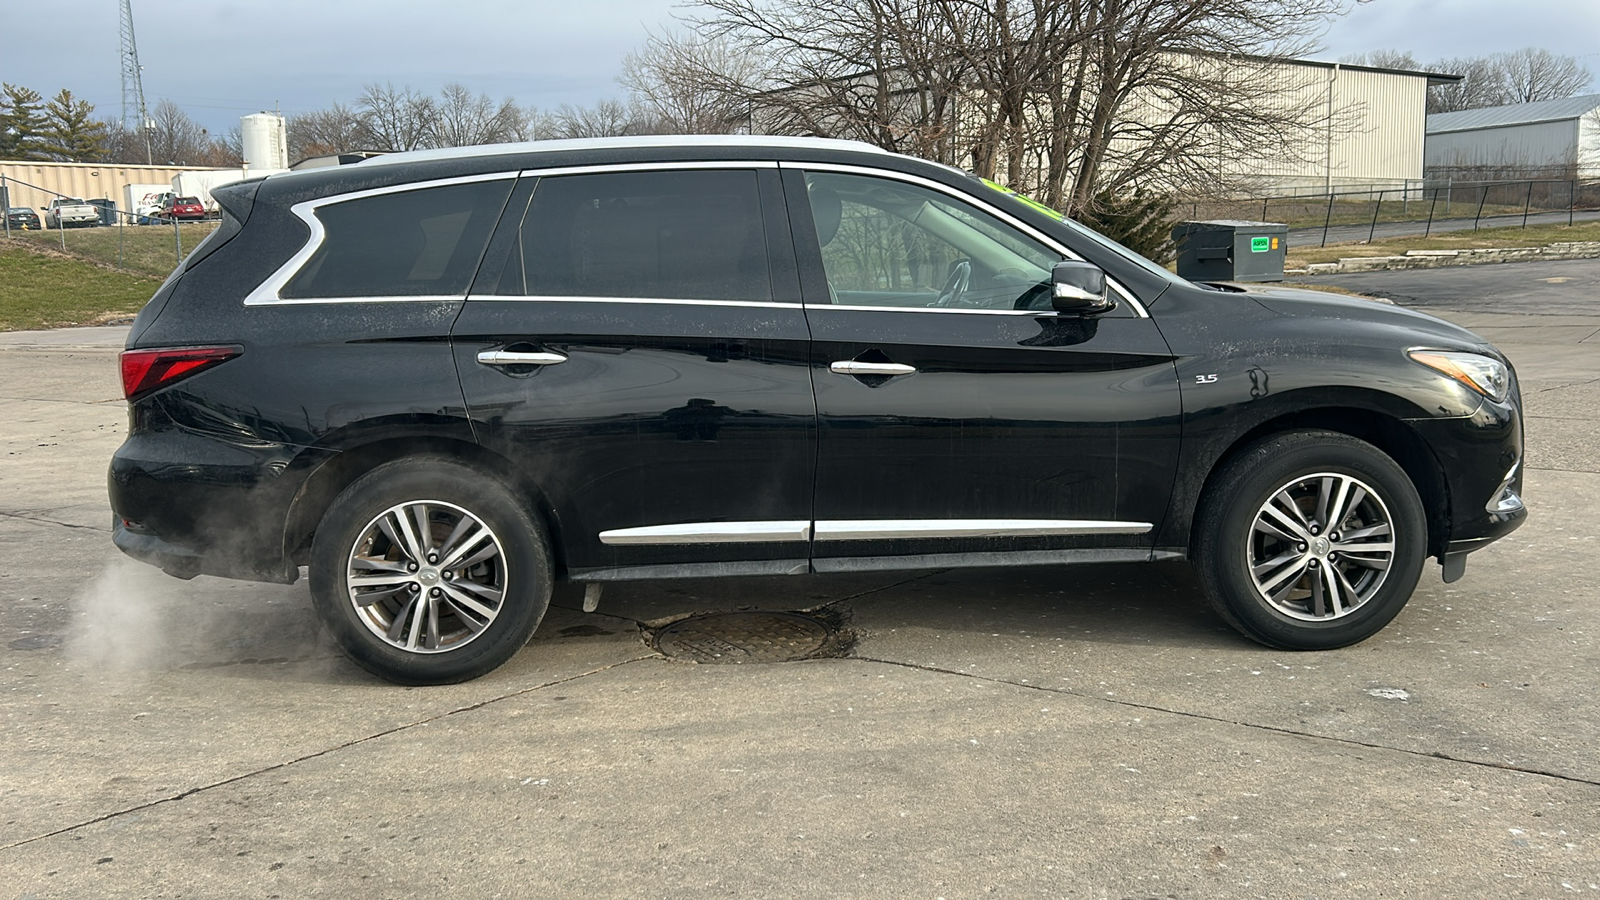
[[414, 243], [671, 235]]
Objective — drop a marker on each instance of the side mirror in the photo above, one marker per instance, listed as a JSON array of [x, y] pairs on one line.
[[1079, 287]]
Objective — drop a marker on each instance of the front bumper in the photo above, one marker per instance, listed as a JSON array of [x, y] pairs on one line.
[[1481, 459]]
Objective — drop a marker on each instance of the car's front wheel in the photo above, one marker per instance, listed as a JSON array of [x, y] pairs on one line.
[[1310, 540], [428, 572]]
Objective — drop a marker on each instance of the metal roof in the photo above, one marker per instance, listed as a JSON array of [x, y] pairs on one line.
[[1515, 114]]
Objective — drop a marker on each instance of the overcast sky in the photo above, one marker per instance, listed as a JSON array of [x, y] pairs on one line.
[[222, 59]]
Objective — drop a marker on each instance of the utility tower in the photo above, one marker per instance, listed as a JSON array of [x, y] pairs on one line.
[[134, 118]]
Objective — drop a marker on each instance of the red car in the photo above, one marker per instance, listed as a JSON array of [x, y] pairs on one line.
[[182, 208]]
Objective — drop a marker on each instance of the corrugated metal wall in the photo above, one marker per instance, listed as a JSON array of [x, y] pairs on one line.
[[87, 181], [1589, 146], [1387, 139], [1367, 129], [1534, 145]]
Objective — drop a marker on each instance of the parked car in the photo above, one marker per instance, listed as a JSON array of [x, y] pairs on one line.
[[22, 217], [182, 208], [446, 381], [68, 211]]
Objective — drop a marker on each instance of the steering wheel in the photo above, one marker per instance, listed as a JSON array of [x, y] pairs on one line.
[[955, 287]]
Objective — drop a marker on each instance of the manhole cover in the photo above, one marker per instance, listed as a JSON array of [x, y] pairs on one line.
[[743, 637]]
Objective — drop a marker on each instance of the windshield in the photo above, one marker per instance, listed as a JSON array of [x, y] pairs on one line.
[[189, 201], [1090, 235], [20, 209]]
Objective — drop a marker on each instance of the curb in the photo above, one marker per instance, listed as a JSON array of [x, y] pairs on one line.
[[1431, 259]]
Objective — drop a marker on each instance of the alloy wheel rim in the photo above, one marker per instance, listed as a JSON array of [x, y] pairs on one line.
[[1320, 547], [426, 576]]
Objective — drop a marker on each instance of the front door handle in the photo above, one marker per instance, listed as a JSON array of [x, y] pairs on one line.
[[855, 367], [520, 358]]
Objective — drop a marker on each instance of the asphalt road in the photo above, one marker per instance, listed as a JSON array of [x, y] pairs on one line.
[[1049, 732], [1308, 237]]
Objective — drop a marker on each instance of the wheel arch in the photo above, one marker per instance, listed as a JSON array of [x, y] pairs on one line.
[[1389, 434], [328, 480]]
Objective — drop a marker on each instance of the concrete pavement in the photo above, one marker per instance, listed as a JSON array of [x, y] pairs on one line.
[[1060, 732]]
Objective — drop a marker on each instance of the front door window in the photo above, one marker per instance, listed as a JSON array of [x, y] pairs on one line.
[[893, 244]]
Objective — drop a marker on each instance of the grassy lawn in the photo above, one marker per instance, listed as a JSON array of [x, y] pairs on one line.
[[42, 291], [1532, 236], [145, 249]]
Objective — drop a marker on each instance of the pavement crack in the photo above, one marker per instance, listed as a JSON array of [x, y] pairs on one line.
[[887, 587], [1147, 707], [41, 520], [356, 742]]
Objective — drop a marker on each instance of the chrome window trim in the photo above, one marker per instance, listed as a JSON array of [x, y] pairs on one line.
[[936, 309], [688, 164], [387, 298], [860, 530], [974, 200], [710, 533], [266, 293], [914, 529], [679, 301]]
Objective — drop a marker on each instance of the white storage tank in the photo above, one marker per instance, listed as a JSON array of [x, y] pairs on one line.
[[265, 140]]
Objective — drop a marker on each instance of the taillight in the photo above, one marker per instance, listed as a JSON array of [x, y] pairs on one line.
[[146, 370]]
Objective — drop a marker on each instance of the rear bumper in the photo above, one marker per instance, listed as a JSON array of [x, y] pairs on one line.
[[187, 562], [191, 505]]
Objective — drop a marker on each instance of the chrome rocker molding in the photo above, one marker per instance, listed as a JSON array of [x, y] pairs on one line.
[[861, 530], [710, 533]]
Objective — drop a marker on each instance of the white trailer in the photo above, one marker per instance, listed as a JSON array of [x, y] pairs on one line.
[[200, 184], [140, 200]]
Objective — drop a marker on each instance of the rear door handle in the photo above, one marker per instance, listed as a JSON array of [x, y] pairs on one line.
[[520, 358], [853, 367]]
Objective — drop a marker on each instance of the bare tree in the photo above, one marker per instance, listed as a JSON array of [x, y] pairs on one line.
[[1384, 59], [176, 139], [1482, 84], [531, 124], [461, 119], [1533, 74], [337, 129], [608, 118], [881, 71], [1524, 76], [690, 84], [397, 118], [1062, 98]]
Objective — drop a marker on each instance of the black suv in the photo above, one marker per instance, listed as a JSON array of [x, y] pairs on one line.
[[449, 381]]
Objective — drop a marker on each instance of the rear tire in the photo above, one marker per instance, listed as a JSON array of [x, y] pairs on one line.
[[429, 572], [1310, 540]]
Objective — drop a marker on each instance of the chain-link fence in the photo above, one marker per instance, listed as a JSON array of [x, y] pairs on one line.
[[134, 241], [1345, 216]]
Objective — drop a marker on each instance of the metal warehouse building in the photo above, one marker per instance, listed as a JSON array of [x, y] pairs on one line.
[[1552, 138], [33, 184], [1370, 133]]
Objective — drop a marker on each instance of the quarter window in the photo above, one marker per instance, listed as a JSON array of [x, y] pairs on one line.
[[691, 234], [423, 242], [888, 243]]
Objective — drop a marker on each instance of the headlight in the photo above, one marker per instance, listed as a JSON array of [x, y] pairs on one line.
[[1484, 374]]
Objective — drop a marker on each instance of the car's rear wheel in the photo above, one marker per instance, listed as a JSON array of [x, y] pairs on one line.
[[428, 572], [1310, 540]]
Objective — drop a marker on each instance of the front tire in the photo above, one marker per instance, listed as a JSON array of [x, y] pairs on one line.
[[1310, 540], [428, 572]]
